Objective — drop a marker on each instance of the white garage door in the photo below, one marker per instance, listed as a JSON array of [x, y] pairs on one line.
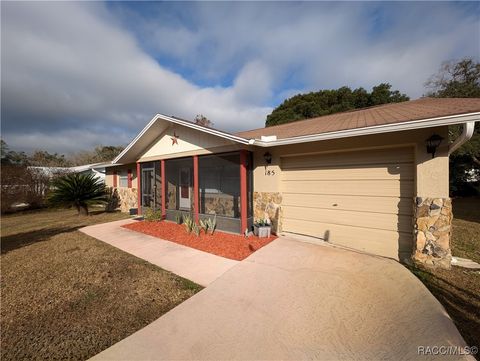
[[362, 199]]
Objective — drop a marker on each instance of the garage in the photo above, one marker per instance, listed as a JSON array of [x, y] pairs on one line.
[[358, 199]]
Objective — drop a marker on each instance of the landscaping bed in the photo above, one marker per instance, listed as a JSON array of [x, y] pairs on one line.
[[233, 246], [68, 296]]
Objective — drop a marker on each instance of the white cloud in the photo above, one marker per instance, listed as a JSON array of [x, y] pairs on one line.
[[79, 74], [324, 45], [83, 75]]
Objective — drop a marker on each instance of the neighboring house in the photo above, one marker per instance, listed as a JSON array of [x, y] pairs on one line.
[[97, 169], [363, 179], [49, 171]]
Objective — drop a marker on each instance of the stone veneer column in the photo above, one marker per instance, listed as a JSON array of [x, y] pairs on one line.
[[268, 204], [128, 198], [433, 229]]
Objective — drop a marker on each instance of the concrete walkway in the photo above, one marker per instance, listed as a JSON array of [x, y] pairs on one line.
[[292, 301], [197, 266]]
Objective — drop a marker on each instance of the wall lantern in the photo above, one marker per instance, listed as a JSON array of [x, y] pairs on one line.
[[433, 143], [268, 158]]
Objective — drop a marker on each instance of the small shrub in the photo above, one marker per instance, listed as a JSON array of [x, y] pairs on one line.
[[262, 223], [152, 215], [113, 199]]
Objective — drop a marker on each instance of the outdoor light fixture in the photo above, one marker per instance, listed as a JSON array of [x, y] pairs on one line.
[[268, 157], [433, 143]]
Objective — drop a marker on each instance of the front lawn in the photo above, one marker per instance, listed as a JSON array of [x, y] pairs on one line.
[[66, 295], [458, 289]]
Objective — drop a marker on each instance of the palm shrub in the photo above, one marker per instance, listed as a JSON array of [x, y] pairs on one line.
[[77, 190]]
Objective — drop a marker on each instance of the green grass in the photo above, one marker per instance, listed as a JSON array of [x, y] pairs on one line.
[[66, 295]]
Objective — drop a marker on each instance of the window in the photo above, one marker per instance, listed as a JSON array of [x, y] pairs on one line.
[[123, 179]]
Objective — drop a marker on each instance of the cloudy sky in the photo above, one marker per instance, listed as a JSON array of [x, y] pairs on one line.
[[75, 75]]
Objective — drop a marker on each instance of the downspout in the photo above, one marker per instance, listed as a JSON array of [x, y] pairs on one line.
[[467, 133]]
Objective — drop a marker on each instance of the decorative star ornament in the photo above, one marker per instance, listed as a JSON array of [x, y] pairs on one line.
[[174, 138]]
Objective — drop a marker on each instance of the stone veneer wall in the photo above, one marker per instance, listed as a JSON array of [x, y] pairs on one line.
[[433, 229], [268, 204], [222, 205], [128, 198]]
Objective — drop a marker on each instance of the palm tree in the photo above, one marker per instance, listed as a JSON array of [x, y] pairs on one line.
[[77, 190]]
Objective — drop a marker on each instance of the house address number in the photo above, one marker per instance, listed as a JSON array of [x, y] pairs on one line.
[[269, 172]]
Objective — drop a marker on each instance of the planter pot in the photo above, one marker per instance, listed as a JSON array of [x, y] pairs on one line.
[[262, 231]]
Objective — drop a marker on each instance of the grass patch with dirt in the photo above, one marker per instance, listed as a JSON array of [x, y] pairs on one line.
[[66, 295], [458, 289]]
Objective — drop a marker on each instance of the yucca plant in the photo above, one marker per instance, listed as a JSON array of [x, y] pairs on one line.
[[77, 190]]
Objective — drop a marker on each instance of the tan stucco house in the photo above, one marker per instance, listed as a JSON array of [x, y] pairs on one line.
[[372, 179]]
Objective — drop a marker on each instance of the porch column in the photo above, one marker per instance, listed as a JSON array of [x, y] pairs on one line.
[[195, 188], [162, 175], [433, 207], [139, 190], [243, 190]]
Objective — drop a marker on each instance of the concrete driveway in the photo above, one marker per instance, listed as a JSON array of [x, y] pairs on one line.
[[295, 300]]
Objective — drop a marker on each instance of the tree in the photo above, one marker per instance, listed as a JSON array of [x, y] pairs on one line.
[[323, 102], [460, 79], [456, 79], [101, 153], [42, 158], [11, 157], [77, 190], [200, 119]]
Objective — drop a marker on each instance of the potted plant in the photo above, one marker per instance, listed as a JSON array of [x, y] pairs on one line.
[[262, 228]]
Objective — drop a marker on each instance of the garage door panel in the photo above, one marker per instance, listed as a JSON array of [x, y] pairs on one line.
[[387, 156], [402, 171], [385, 221], [363, 198], [382, 242], [389, 188], [391, 205]]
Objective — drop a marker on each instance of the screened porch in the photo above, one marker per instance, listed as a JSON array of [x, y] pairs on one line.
[[204, 186]]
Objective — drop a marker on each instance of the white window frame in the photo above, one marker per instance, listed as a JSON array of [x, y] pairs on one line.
[[123, 179]]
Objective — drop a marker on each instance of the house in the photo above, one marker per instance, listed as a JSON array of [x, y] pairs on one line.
[[374, 179], [97, 169]]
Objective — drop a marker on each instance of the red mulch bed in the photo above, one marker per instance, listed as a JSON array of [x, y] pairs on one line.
[[233, 246]]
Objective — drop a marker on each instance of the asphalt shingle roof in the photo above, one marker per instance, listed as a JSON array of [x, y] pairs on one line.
[[423, 108]]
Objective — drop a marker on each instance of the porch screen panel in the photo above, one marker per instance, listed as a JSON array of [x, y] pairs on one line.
[[179, 184], [219, 184]]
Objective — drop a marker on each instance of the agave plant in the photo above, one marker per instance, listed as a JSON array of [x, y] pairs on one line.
[[188, 222], [77, 190], [209, 224]]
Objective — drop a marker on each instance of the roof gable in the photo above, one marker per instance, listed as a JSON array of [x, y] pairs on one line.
[[156, 127], [178, 139]]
